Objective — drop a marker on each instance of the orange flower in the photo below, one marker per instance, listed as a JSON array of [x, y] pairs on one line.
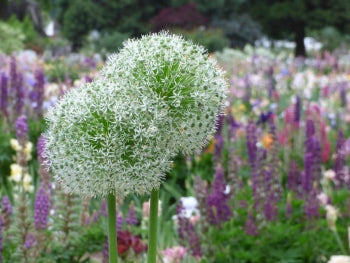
[[267, 140], [210, 147]]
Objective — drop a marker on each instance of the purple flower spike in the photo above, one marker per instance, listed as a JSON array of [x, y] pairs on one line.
[[6, 206], [3, 93], [131, 218], [41, 148], [251, 142], [218, 208], [22, 128], [37, 95], [250, 225], [20, 94], [103, 209], [41, 208], [30, 240], [120, 221]]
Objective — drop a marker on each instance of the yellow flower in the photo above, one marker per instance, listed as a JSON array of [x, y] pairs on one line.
[[16, 172], [27, 186], [332, 214], [15, 145], [28, 150], [267, 140]]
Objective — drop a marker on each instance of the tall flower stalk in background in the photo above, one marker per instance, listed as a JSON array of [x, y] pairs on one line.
[[160, 95]]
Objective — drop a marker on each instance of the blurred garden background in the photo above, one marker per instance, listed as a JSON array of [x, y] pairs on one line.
[[271, 186]]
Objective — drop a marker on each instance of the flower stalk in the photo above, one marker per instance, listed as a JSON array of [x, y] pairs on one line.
[[112, 231], [152, 234]]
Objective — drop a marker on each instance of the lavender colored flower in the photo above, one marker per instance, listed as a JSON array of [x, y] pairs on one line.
[[187, 232], [264, 117], [6, 206], [3, 93], [293, 180], [131, 218], [30, 240], [218, 210], [105, 258], [271, 81], [103, 208], [311, 205], [307, 175], [310, 128], [41, 208], [297, 110], [120, 221], [340, 159], [22, 129], [41, 148], [251, 141], [219, 145], [20, 95], [232, 126], [270, 208], [37, 95], [250, 225]]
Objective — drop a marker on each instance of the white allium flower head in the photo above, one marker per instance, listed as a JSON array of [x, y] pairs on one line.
[[159, 95], [178, 81]]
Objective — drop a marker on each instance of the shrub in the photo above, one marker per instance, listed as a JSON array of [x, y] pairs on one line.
[[11, 38]]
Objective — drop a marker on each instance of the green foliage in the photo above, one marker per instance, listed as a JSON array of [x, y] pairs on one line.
[[330, 37], [11, 38], [78, 20], [111, 42], [240, 29], [212, 39]]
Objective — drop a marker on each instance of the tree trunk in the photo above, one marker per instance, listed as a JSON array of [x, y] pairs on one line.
[[299, 40]]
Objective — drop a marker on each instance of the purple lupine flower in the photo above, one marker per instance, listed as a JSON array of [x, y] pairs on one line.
[[103, 208], [30, 240], [3, 93], [219, 123], [131, 218], [95, 216], [20, 95], [293, 180], [270, 208], [41, 208], [37, 95], [251, 141], [22, 129], [218, 210], [40, 146], [120, 221], [1, 246], [310, 129], [248, 89], [13, 73], [340, 159], [105, 258], [264, 117], [187, 232], [250, 225], [311, 205], [219, 145], [306, 175], [6, 205], [271, 81], [297, 110], [88, 79], [232, 126]]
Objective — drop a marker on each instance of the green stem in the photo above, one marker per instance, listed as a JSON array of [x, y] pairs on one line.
[[112, 231], [340, 243], [152, 233]]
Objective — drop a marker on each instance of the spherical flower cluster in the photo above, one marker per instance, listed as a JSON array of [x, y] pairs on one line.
[[159, 95], [176, 81]]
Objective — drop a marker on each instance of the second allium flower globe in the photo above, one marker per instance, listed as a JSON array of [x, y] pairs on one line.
[[159, 95]]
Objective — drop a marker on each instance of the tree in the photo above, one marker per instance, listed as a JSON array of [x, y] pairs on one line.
[[285, 19]]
